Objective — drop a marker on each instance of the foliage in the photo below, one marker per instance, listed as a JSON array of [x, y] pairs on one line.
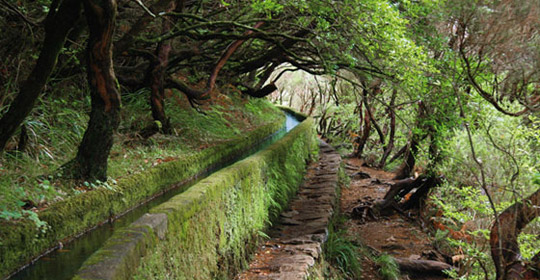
[[343, 254], [455, 75], [507, 147], [388, 268]]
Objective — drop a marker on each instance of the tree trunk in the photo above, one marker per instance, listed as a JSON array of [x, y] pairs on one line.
[[262, 92], [400, 153], [157, 76], [503, 240], [417, 199], [361, 141], [370, 112], [91, 160], [369, 120], [390, 146], [58, 25], [391, 201], [407, 166], [23, 139]]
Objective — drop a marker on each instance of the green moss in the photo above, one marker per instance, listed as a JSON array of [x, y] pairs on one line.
[[211, 223], [296, 114], [20, 242], [123, 250]]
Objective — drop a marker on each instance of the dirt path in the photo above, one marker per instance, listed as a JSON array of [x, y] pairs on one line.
[[296, 239], [395, 235]]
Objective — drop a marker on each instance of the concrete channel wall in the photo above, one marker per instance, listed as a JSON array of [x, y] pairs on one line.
[[21, 242], [208, 231]]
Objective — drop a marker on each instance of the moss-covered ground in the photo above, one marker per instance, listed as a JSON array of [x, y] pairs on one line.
[[138, 167]]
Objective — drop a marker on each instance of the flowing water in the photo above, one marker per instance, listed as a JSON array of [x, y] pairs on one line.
[[63, 263]]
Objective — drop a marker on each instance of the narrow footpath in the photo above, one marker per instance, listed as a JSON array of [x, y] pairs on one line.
[[297, 238], [396, 235]]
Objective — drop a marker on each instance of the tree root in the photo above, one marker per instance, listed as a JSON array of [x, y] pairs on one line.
[[365, 211]]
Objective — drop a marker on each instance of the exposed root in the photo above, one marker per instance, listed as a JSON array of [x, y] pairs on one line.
[[365, 211]]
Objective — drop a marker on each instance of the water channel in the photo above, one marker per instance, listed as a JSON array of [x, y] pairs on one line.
[[63, 263]]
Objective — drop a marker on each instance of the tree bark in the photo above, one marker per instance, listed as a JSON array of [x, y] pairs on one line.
[[91, 159], [262, 92], [361, 141], [417, 199], [369, 121], [503, 240], [400, 153], [58, 25], [423, 184]]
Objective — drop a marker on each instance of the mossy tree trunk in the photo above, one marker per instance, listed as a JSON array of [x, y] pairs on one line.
[[91, 159], [57, 26]]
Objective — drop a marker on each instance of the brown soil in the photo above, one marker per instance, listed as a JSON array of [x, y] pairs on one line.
[[395, 235]]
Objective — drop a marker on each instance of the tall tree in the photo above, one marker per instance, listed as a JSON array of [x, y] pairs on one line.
[[157, 72], [91, 160]]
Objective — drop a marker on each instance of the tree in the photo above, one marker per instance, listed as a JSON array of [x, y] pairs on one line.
[[156, 76], [59, 22], [91, 160]]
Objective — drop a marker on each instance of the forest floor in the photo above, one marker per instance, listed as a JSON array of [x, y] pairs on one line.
[[395, 235]]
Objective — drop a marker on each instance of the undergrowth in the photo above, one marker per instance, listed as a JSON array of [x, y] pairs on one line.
[[30, 180], [388, 268], [342, 254]]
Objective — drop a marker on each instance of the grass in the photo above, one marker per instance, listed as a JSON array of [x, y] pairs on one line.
[[388, 268], [343, 254], [29, 180]]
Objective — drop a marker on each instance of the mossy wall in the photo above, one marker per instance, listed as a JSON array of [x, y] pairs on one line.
[[211, 223], [296, 114], [212, 226], [21, 242]]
